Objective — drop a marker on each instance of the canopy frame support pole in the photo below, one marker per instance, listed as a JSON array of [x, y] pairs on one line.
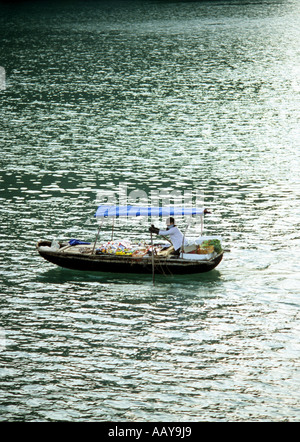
[[97, 237], [112, 228], [183, 238], [152, 256]]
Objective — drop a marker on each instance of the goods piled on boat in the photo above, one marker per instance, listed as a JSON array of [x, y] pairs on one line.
[[210, 246], [201, 249], [127, 248], [123, 247]]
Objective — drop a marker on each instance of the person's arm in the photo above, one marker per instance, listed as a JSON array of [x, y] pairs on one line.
[[166, 232], [163, 232]]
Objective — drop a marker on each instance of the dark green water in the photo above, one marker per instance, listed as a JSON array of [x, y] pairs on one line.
[[156, 95]]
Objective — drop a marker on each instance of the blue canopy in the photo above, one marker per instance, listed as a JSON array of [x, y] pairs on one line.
[[116, 211]]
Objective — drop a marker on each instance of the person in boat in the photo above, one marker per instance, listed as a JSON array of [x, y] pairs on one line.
[[176, 236]]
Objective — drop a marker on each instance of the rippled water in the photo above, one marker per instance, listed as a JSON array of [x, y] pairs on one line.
[[157, 95]]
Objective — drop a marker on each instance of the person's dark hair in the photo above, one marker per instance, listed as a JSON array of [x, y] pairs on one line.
[[172, 220]]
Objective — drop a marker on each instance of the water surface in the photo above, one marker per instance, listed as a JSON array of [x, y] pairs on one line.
[[157, 95]]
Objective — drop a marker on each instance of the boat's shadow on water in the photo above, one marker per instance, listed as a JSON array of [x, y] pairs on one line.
[[61, 276]]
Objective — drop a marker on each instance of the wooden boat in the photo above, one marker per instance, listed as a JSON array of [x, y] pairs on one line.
[[79, 255]]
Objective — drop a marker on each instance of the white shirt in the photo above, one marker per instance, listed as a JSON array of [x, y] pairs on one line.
[[176, 236]]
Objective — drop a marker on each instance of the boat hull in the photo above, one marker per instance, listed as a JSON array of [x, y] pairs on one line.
[[125, 264]]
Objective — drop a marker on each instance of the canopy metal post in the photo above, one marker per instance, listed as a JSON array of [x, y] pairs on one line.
[[97, 237], [183, 239], [201, 224], [112, 229], [152, 249]]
